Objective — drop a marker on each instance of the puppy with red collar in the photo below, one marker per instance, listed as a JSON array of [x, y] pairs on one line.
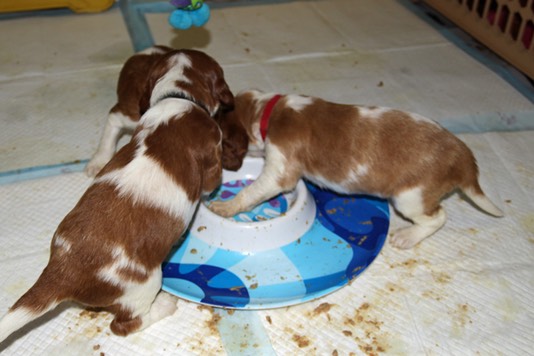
[[138, 77], [107, 252], [349, 149]]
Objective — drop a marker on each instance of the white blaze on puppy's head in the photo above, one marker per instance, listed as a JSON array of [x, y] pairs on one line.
[[177, 63]]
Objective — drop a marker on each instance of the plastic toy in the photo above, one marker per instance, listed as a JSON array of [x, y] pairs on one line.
[[189, 13], [74, 5]]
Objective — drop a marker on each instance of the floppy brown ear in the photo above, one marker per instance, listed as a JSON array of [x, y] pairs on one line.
[[234, 142], [224, 94], [213, 169], [233, 155], [158, 69]]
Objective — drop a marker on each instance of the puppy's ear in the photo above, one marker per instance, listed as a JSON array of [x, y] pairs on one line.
[[233, 154], [144, 100], [211, 157], [212, 170], [234, 142], [224, 94], [158, 68]]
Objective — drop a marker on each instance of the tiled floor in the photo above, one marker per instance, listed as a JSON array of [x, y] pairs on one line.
[[466, 290]]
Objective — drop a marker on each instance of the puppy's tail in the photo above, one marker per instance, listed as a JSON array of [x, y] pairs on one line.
[[477, 196], [38, 300]]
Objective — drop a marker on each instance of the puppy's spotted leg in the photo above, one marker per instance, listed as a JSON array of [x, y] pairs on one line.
[[276, 177], [410, 205], [142, 304], [260, 190], [116, 125], [423, 227]]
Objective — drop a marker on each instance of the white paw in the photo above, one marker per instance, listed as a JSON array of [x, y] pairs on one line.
[[405, 238], [164, 305], [223, 208], [94, 166]]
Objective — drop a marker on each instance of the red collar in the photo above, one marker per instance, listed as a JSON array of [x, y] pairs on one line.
[[264, 122]]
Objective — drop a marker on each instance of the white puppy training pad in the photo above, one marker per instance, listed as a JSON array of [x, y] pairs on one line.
[[467, 289]]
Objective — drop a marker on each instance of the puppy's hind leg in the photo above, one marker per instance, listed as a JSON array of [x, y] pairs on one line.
[[142, 305], [425, 221], [117, 123]]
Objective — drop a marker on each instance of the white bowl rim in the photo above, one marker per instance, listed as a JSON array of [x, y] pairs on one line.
[[250, 237]]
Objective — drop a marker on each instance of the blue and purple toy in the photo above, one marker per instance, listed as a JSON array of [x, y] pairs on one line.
[[189, 13]]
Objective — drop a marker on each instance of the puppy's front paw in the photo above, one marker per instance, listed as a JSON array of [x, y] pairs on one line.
[[94, 166], [223, 208]]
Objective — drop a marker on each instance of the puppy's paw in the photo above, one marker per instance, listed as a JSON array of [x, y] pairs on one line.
[[94, 166], [223, 208], [404, 238], [164, 305]]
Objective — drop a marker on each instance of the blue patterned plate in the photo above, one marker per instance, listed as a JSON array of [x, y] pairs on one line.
[[284, 252]]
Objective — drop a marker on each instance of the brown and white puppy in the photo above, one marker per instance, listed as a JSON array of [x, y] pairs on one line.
[[161, 66], [107, 252], [350, 149]]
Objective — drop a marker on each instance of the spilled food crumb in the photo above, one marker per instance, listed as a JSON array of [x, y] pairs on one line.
[[366, 330], [213, 322], [302, 341], [322, 308], [441, 277], [89, 314]]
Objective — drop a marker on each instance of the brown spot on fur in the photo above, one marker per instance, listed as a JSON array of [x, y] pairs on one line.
[[200, 151], [132, 99], [123, 325]]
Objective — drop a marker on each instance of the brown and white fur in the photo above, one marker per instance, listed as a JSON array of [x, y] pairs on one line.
[[351, 149], [138, 77], [107, 252]]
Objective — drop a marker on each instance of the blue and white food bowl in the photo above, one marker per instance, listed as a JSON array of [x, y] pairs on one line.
[[297, 247]]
